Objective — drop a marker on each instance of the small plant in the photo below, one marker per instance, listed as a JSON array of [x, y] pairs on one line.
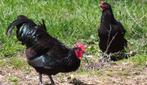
[[14, 79], [17, 63]]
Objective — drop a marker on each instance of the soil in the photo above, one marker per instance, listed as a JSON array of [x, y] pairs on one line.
[[124, 73]]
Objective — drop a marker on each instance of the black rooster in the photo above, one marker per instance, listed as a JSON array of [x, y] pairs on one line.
[[111, 32], [45, 53]]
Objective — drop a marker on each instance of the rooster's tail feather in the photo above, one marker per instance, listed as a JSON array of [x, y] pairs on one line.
[[20, 20]]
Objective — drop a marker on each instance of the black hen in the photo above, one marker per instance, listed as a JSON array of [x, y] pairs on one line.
[[45, 53], [111, 32]]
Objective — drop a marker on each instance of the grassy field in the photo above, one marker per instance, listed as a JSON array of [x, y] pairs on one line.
[[71, 21]]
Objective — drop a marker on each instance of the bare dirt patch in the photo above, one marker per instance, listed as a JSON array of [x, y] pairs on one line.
[[124, 73]]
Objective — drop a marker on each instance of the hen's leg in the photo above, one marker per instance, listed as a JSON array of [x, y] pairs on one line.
[[51, 79], [40, 79]]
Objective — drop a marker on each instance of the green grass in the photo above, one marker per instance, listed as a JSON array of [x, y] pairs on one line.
[[75, 20], [140, 60]]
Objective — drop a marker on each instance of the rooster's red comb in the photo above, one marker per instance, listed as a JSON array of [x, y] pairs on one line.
[[80, 45]]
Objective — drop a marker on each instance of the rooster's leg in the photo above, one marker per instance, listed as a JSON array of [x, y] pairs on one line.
[[40, 79], [51, 79]]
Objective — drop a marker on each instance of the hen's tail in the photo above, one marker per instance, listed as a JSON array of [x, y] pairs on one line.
[[18, 22]]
